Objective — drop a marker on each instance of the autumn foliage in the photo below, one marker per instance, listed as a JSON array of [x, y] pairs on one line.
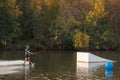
[[60, 24]]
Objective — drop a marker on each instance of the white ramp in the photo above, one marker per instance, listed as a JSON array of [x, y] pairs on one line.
[[87, 64], [88, 57]]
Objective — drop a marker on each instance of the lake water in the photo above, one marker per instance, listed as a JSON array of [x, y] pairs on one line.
[[57, 65]]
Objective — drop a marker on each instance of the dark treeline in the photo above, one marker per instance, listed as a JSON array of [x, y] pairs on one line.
[[60, 24]]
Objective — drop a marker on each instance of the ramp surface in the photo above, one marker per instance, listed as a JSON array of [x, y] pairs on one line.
[[89, 57]]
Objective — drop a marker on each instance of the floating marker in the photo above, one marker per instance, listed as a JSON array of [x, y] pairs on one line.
[[109, 66]]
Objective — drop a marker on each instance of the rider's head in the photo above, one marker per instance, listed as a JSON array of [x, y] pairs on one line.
[[27, 46]]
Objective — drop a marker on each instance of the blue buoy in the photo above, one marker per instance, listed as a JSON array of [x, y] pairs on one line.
[[109, 66]]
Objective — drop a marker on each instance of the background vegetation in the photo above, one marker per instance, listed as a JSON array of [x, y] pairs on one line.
[[60, 24]]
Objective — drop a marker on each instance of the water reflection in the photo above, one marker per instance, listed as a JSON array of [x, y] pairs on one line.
[[27, 72], [15, 67], [10, 69], [109, 74], [88, 71]]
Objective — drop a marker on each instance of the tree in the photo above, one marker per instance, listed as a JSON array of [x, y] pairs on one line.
[[44, 32], [81, 40], [9, 26], [28, 19], [97, 26]]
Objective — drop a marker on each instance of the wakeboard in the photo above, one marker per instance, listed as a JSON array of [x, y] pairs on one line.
[[29, 64]]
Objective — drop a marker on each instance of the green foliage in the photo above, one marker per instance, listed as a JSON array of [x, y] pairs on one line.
[[97, 27], [60, 24], [9, 27], [44, 32], [66, 40], [81, 40], [27, 20]]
